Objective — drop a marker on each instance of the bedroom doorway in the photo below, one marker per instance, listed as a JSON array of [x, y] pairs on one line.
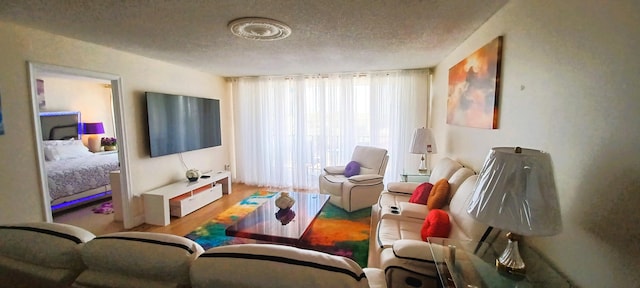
[[111, 84]]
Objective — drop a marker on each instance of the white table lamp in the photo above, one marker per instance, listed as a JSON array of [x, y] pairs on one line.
[[516, 192], [423, 143]]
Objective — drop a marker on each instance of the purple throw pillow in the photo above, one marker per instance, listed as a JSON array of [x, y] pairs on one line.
[[352, 168]]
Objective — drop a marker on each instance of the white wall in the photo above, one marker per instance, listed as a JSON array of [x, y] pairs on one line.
[[20, 198], [570, 87]]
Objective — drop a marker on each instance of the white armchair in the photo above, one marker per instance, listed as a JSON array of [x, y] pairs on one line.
[[361, 190]]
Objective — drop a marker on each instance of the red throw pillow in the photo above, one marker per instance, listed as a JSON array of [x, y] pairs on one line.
[[436, 225], [421, 193], [439, 196]]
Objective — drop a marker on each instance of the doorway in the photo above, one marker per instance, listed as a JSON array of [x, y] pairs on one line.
[[38, 71]]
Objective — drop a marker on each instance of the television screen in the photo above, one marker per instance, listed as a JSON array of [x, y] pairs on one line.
[[182, 123]]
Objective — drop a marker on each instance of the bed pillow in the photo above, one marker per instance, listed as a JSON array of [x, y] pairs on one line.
[[421, 193], [439, 195], [61, 152], [352, 168], [436, 224]]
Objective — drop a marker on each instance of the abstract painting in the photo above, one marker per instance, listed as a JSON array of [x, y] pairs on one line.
[[473, 88]]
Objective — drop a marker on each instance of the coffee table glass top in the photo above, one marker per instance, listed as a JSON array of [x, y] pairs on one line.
[[270, 223]]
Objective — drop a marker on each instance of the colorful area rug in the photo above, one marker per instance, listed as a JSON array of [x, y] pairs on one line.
[[334, 231]]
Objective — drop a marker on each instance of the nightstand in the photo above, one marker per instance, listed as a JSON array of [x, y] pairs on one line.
[[414, 177], [466, 264], [105, 152]]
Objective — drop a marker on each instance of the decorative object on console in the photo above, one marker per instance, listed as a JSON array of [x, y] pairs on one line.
[[475, 82], [93, 129], [516, 192], [285, 201], [109, 143], [192, 175], [423, 143]]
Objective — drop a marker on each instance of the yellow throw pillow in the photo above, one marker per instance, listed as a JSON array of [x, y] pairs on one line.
[[439, 195]]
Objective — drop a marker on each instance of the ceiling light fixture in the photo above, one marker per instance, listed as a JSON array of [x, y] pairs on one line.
[[262, 29]]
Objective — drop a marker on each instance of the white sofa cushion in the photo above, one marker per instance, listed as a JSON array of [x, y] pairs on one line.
[[41, 254], [466, 226], [457, 179], [270, 265], [391, 230], [132, 259], [444, 168]]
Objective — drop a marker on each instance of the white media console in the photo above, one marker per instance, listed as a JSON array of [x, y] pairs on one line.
[[184, 197]]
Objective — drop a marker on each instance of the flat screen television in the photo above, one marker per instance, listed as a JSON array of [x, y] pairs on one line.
[[180, 123]]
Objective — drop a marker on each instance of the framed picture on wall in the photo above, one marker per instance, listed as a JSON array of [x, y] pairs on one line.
[[40, 92], [474, 85]]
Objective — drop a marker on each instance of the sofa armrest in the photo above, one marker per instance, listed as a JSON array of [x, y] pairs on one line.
[[412, 250], [366, 179], [402, 187], [409, 261], [334, 170]]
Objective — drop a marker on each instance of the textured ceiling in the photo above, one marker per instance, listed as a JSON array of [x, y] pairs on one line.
[[328, 35]]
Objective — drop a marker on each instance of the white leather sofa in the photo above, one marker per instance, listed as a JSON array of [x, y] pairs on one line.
[[138, 259], [59, 255], [269, 265], [405, 258]]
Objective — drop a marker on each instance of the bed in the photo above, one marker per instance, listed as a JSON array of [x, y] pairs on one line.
[[74, 174]]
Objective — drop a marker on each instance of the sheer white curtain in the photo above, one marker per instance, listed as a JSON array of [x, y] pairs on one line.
[[287, 129]]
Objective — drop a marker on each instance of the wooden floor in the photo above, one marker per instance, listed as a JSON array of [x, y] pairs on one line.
[[182, 226]]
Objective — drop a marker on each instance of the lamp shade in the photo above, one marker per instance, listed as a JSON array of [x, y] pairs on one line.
[[423, 142], [516, 191], [93, 128]]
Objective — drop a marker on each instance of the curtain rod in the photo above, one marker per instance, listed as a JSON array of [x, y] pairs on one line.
[[327, 75]]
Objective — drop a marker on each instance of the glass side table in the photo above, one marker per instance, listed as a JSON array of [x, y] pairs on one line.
[[414, 177], [471, 264]]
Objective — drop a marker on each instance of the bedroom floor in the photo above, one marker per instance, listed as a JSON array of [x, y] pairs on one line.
[[84, 217]]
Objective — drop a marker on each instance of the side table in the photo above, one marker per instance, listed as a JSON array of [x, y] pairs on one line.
[[472, 264], [414, 177]]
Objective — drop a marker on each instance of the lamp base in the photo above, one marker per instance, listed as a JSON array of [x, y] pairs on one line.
[[510, 260], [94, 143], [422, 169]]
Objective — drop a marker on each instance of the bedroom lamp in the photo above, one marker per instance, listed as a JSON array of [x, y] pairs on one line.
[[93, 129], [516, 192], [423, 143]]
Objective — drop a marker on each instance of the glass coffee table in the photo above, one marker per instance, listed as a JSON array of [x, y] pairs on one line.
[[471, 264], [271, 224]]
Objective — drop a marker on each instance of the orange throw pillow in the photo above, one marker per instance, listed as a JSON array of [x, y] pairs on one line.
[[436, 225], [421, 193], [439, 195]]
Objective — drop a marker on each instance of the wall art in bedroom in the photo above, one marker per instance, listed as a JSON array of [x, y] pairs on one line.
[[40, 93], [474, 85]]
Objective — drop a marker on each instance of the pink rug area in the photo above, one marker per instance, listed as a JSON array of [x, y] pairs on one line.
[[104, 208]]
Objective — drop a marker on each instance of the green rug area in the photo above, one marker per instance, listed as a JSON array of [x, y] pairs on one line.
[[334, 231]]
